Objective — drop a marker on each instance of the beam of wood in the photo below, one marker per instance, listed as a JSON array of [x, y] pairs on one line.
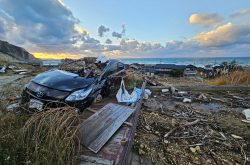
[[99, 128], [91, 110], [135, 118], [89, 160], [128, 124], [205, 88]]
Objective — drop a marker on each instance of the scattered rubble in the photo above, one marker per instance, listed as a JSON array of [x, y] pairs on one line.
[[176, 126], [179, 133]]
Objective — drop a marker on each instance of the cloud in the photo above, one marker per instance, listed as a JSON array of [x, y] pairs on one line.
[[240, 13], [49, 29], [108, 41], [205, 19], [117, 35], [224, 35], [101, 30], [80, 29], [123, 29], [46, 25], [120, 35], [129, 44]]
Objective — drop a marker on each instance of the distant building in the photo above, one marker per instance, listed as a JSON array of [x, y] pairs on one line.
[[135, 66], [189, 73], [51, 63], [170, 69], [191, 67], [149, 69], [208, 73]]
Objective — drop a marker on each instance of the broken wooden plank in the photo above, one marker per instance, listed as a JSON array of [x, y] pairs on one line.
[[98, 128], [91, 110], [205, 88], [89, 160]]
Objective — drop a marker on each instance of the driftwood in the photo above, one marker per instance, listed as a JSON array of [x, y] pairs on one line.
[[181, 126]]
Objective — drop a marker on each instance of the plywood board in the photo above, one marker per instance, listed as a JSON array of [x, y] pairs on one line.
[[89, 160], [99, 128]]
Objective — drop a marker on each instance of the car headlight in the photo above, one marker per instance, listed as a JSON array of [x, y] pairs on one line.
[[79, 95]]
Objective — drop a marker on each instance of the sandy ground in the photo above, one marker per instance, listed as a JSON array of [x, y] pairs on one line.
[[4, 80], [11, 87], [182, 81]]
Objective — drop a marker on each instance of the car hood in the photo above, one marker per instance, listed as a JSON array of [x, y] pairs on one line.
[[62, 80]]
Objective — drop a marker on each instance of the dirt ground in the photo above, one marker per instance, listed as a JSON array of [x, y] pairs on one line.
[[207, 131], [182, 81]]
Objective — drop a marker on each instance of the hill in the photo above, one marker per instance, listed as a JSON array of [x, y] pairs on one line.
[[9, 52]]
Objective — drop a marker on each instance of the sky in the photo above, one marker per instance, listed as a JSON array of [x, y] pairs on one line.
[[127, 29]]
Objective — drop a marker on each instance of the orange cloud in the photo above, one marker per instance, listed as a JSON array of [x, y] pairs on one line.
[[56, 56], [205, 19], [224, 34]]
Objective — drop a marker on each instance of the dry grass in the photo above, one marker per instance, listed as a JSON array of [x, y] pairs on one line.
[[49, 137], [11, 148], [234, 78], [52, 136]]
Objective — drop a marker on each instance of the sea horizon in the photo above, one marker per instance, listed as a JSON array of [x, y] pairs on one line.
[[197, 61]]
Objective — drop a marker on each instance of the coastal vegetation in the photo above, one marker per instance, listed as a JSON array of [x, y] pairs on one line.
[[233, 78]]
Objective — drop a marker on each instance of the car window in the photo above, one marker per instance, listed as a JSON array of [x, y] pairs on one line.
[[111, 69], [120, 66]]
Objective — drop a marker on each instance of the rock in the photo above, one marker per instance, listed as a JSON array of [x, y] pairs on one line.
[[166, 141], [202, 97], [147, 128], [195, 149]]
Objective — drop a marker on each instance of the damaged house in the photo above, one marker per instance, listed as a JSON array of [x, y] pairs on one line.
[[170, 70], [149, 70], [190, 71]]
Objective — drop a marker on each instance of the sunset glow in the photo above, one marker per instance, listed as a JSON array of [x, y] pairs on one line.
[[56, 56]]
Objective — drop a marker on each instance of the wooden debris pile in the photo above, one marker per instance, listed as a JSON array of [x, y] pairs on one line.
[[184, 135]]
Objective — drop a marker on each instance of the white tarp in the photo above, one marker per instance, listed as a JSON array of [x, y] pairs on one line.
[[123, 96]]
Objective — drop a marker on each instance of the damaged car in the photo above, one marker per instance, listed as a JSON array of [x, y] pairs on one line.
[[56, 88]]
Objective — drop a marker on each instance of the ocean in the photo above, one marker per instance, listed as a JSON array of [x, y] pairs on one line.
[[244, 61]]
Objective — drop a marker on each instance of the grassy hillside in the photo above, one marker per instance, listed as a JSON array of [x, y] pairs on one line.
[[5, 58]]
